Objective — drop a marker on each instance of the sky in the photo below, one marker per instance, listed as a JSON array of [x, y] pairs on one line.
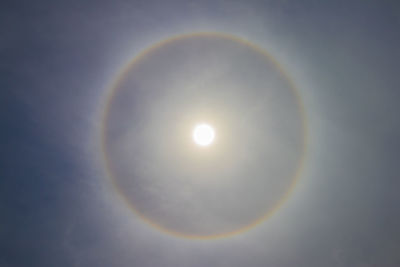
[[59, 62]]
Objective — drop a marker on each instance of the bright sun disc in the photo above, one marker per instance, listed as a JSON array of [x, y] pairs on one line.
[[203, 134]]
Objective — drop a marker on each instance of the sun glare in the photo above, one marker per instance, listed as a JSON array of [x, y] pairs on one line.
[[203, 134]]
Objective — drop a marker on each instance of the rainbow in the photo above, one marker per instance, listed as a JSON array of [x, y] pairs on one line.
[[104, 115]]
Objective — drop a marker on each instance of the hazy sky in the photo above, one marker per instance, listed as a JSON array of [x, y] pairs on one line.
[[58, 61]]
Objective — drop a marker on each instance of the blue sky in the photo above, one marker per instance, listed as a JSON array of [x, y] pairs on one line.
[[58, 59]]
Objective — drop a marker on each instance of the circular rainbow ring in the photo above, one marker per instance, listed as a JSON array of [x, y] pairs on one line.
[[111, 91]]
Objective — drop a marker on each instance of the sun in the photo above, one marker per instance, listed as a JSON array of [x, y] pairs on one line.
[[203, 134]]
